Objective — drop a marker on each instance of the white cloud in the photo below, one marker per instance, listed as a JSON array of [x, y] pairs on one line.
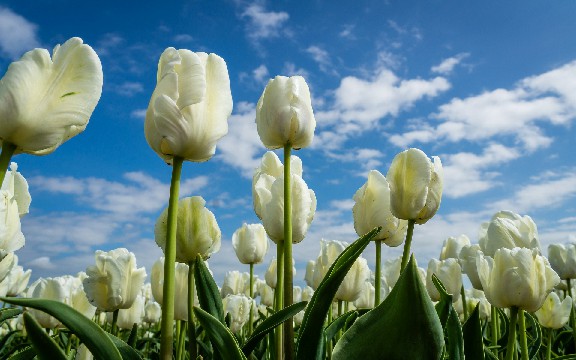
[[128, 88], [321, 57], [467, 173], [241, 147], [109, 42], [138, 114], [17, 35], [260, 73], [347, 32], [43, 262], [183, 38], [447, 65], [290, 69], [263, 24]]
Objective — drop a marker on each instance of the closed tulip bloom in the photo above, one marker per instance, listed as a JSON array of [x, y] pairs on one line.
[[133, 315], [197, 232], [415, 185], [270, 275], [189, 109], [115, 281], [563, 260], [366, 298], [45, 101], [508, 230], [266, 294], [467, 258], [250, 243], [284, 113], [372, 209], [452, 246], [554, 313], [17, 185], [180, 285], [309, 276], [238, 306], [234, 284], [329, 251], [474, 297], [351, 287], [11, 236], [152, 312], [519, 277], [449, 273], [391, 271]]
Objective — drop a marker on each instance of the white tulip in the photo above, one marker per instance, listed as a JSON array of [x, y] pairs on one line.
[[563, 260], [266, 294], [115, 281], [474, 297], [508, 230], [554, 313], [11, 236], [234, 284], [45, 101], [270, 275], [415, 185], [238, 306], [452, 246], [449, 273], [284, 113], [189, 109], [17, 185], [152, 312], [250, 243], [353, 284], [329, 251], [133, 315], [180, 286], [372, 209], [366, 298], [467, 259]]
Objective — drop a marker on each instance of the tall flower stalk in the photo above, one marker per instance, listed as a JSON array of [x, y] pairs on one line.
[[191, 326], [8, 150], [288, 278]]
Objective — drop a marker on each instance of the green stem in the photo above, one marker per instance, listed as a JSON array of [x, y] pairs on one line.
[[510, 347], [406, 253], [288, 281], [192, 347], [572, 315], [549, 344], [7, 152], [279, 296], [181, 336], [522, 335], [329, 344], [250, 325], [114, 320], [378, 273], [167, 325], [464, 305], [494, 327]]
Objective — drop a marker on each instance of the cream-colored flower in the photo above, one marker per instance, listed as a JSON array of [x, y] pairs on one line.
[[133, 315], [270, 275], [45, 101], [189, 109], [11, 236], [197, 232], [152, 312], [416, 184], [329, 251], [452, 246], [508, 230], [467, 258], [563, 260], [250, 243], [17, 185], [372, 209], [554, 313], [180, 286], [238, 306], [449, 273], [284, 113], [115, 281]]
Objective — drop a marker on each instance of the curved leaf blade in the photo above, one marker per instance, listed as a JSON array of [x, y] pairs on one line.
[[126, 351], [207, 291], [6, 314], [220, 336], [87, 331], [473, 339], [46, 348]]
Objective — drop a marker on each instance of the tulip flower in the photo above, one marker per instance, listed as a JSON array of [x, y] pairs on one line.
[[11, 236], [266, 294], [15, 282], [452, 246], [467, 258], [473, 298], [415, 185], [508, 230], [115, 281], [449, 273], [238, 306], [309, 276], [152, 312], [366, 298], [197, 231], [250, 243], [519, 277], [563, 260], [181, 287], [234, 283], [554, 313], [133, 315], [17, 185], [189, 109], [284, 113], [351, 287], [45, 101], [329, 251], [270, 275]]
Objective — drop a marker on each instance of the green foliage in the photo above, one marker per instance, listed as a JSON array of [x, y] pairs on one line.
[[404, 326], [207, 291], [450, 322], [220, 336], [46, 348], [472, 333]]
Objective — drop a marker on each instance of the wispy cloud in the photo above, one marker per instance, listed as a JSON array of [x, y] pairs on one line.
[[447, 65], [17, 34], [128, 88], [322, 58], [263, 24]]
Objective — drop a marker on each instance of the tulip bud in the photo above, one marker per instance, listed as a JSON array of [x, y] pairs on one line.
[[180, 285], [189, 109], [467, 258], [415, 185], [115, 281], [284, 113], [250, 243], [372, 209], [519, 277], [238, 306], [152, 312], [50, 289], [45, 101], [234, 284], [366, 298], [449, 273], [508, 230], [197, 232], [563, 260], [309, 276], [452, 246], [270, 275], [11, 236], [554, 314]]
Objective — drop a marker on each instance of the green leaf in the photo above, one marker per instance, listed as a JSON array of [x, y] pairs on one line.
[[207, 291], [269, 324], [534, 331], [339, 323], [220, 336], [87, 331], [473, 339], [310, 336], [450, 322], [404, 326], [46, 348], [27, 354], [133, 336], [9, 313], [126, 351]]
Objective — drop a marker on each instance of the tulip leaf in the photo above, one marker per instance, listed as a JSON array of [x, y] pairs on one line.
[[6, 314], [27, 354], [450, 321], [404, 326], [535, 333], [126, 351], [220, 336], [87, 331], [336, 325], [310, 336], [473, 339], [207, 291], [269, 324], [46, 348]]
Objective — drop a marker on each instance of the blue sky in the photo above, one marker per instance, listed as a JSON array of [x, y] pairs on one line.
[[490, 87]]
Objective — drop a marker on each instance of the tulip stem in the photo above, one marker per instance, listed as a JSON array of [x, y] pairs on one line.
[[494, 323], [288, 281], [510, 347], [464, 306], [549, 344], [191, 327], [250, 325], [522, 335], [378, 273], [5, 157], [406, 253], [114, 329], [572, 315], [167, 325], [279, 296]]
